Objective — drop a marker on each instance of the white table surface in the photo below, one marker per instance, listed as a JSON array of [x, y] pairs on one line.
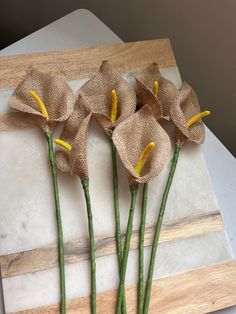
[[81, 29]]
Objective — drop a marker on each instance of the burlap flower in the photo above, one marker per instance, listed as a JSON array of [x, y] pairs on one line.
[[75, 133], [167, 92], [132, 136], [53, 91], [73, 158], [186, 107], [96, 94]]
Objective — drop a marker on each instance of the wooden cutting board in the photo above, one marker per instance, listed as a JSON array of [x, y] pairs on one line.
[[195, 271]]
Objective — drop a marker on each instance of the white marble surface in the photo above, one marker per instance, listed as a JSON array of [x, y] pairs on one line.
[[27, 212], [89, 32]]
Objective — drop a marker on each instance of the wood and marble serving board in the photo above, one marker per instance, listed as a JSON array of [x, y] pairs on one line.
[[195, 271]]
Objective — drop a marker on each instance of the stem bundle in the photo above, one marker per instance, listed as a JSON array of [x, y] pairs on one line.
[[141, 249], [133, 192], [117, 217]]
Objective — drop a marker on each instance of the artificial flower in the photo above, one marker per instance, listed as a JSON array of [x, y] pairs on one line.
[[132, 136], [46, 98], [109, 97], [156, 91], [73, 158], [185, 109]]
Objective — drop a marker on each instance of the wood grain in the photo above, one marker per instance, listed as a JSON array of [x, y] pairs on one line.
[[10, 121], [81, 63], [198, 291], [46, 257]]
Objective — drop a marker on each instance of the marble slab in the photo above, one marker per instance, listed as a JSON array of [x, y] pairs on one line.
[[27, 215]]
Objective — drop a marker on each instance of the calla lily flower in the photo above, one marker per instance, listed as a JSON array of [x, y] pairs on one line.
[[156, 91], [109, 97], [138, 134], [111, 100], [71, 151], [186, 116], [46, 98], [71, 156]]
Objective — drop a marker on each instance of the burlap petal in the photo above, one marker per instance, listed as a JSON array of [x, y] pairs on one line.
[[78, 157], [187, 106], [55, 93], [132, 136], [96, 93], [167, 92], [75, 133], [146, 96]]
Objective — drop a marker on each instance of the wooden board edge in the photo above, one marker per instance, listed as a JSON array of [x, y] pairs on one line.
[[83, 62], [198, 291], [46, 257], [75, 51], [10, 121]]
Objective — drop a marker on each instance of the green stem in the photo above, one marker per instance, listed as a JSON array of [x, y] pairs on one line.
[[157, 230], [117, 216], [133, 192], [59, 222], [85, 184], [141, 249]]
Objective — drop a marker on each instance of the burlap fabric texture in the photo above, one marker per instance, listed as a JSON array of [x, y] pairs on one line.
[[132, 136], [167, 92], [55, 93], [75, 132], [185, 108], [96, 94]]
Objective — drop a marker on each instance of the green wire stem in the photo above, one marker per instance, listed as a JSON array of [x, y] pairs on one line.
[[48, 136], [133, 192], [85, 184], [141, 249], [158, 229], [117, 216]]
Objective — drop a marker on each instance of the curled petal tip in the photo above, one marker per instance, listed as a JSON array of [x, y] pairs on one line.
[[197, 117], [41, 105], [64, 144], [142, 159]]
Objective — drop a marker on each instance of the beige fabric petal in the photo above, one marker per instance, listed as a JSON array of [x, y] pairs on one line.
[[146, 96], [79, 156], [75, 133], [133, 135], [55, 93], [167, 92], [186, 107], [96, 93]]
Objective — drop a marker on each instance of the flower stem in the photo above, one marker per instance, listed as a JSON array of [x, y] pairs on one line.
[[85, 184], [117, 216], [59, 223], [133, 192], [141, 249], [158, 229]]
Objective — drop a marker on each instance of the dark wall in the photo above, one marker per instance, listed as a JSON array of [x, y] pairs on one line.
[[202, 34]]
